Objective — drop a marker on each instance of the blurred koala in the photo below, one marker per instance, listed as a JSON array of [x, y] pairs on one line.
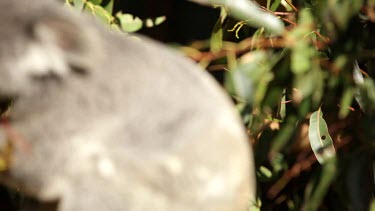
[[102, 121]]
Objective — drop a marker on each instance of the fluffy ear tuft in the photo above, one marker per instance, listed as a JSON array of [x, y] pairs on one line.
[[65, 45]]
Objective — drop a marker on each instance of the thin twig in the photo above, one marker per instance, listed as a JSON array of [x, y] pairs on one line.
[[291, 5]]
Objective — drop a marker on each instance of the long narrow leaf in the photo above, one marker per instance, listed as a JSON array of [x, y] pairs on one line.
[[250, 12], [320, 140], [358, 80]]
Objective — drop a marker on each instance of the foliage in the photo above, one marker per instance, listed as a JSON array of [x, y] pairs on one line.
[[104, 11], [323, 62]]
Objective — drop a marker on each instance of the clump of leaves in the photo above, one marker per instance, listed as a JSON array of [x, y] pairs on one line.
[[324, 61], [103, 10]]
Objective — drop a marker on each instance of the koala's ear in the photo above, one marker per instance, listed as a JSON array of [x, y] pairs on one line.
[[65, 43]]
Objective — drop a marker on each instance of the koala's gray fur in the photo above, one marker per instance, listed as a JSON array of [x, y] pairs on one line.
[[102, 121]]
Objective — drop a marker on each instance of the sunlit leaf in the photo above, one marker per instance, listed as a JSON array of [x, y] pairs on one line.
[[99, 12], [286, 5], [357, 74], [282, 111], [109, 6], [149, 23], [251, 13], [358, 80], [320, 140], [216, 41], [255, 205], [159, 20], [264, 172], [129, 23]]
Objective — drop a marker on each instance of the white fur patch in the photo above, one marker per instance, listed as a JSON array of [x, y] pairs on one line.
[[106, 167], [173, 165], [40, 60]]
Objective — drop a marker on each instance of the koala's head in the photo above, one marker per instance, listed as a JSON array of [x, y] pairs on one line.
[[39, 41]]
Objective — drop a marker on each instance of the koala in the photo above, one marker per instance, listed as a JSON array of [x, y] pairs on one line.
[[104, 121]]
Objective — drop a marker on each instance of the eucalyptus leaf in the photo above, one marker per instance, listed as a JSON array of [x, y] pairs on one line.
[[275, 5], [109, 6], [346, 101], [301, 57], [264, 172], [367, 93], [99, 12], [216, 41], [149, 22], [288, 128], [129, 23], [358, 80], [303, 51], [250, 80], [159, 20], [320, 140], [250, 12], [282, 110]]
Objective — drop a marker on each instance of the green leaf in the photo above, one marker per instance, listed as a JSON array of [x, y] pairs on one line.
[[303, 51], [159, 20], [109, 6], [100, 12], [251, 13], [250, 80], [216, 41], [275, 5], [282, 110], [129, 23], [255, 205], [310, 83], [284, 136], [320, 140], [367, 93], [346, 101], [301, 57], [149, 23], [264, 172], [154, 22], [358, 80]]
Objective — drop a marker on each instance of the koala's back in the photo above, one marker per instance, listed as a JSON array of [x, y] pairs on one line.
[[139, 128]]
